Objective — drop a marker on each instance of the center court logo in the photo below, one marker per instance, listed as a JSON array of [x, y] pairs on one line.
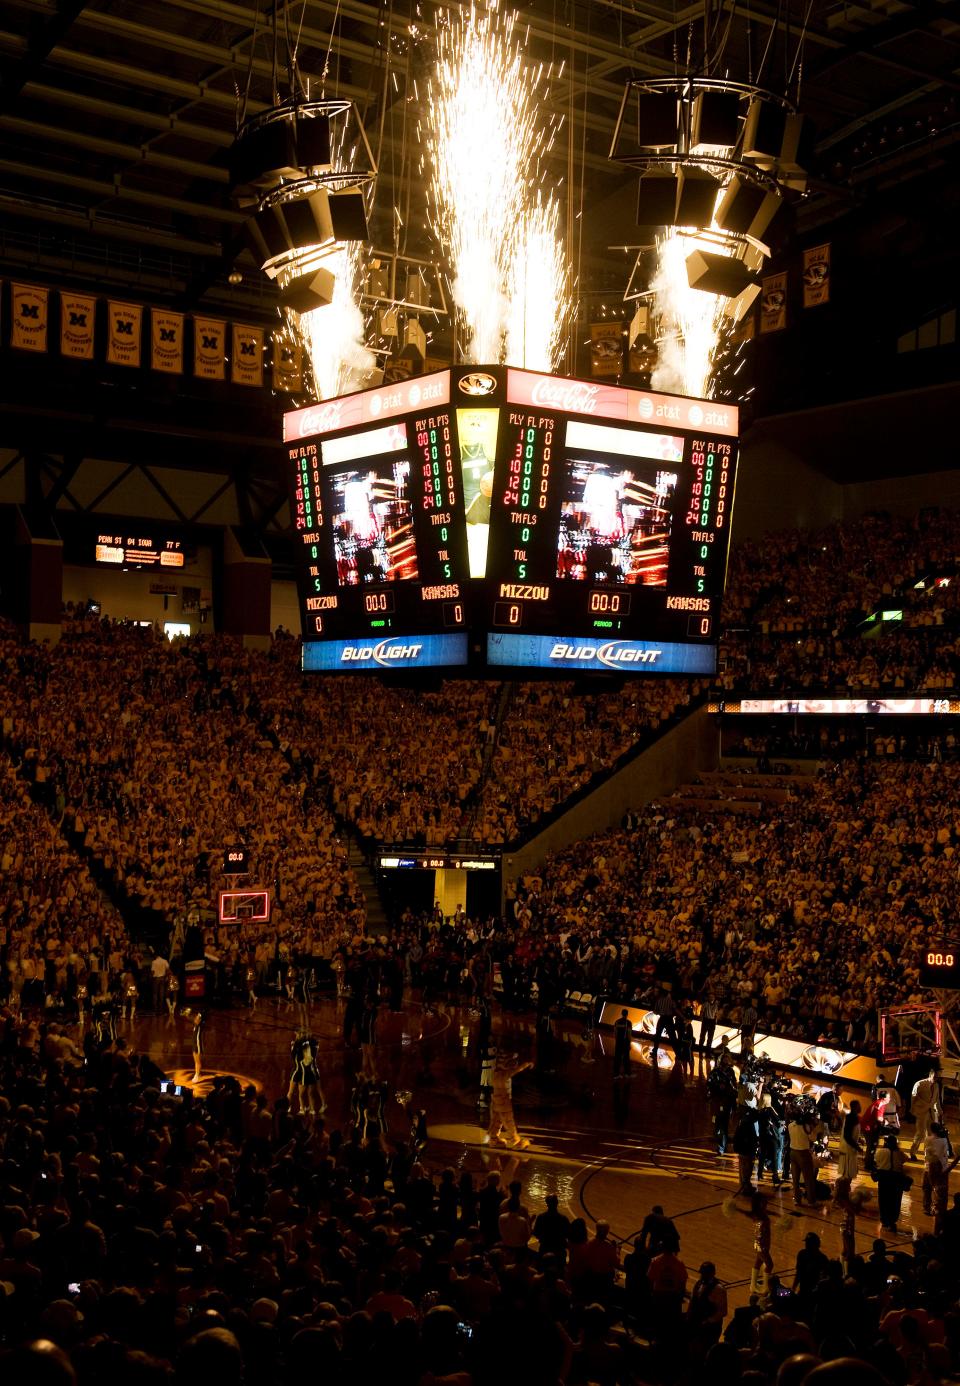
[[386, 653], [614, 654]]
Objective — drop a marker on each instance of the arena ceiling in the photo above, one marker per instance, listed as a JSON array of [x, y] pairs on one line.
[[116, 116]]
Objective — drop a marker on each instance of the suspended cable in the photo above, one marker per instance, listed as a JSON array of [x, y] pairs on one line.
[[326, 61], [766, 51], [800, 41]]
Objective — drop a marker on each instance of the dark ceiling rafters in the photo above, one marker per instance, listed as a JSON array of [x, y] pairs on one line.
[[116, 116]]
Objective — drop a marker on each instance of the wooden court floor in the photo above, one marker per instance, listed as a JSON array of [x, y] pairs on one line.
[[609, 1149]]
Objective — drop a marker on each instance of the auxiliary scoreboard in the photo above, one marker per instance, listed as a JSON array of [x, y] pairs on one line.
[[489, 515]]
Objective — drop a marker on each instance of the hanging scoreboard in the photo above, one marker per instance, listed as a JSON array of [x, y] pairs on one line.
[[553, 524]]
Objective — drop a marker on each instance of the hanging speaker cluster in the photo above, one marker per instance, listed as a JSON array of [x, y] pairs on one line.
[[303, 200], [713, 156]]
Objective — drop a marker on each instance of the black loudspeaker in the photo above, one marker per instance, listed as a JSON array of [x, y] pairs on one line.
[[717, 274], [314, 290], [266, 235], [763, 133], [716, 119], [696, 197], [308, 220], [656, 120], [264, 154], [797, 148], [313, 142], [657, 200], [746, 209], [348, 216]]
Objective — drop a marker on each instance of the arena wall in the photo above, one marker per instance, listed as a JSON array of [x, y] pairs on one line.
[[680, 755]]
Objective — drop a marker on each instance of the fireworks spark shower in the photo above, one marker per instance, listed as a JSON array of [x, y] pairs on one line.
[[487, 143], [691, 320]]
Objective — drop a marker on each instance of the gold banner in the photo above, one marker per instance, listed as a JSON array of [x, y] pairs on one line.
[[287, 364], [246, 356], [773, 303], [124, 327], [746, 328], [606, 348], [209, 347], [30, 309], [166, 341], [816, 275], [78, 316]]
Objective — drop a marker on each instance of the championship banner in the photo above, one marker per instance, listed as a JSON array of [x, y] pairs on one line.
[[246, 358], [287, 365], [78, 314], [124, 327], [166, 341], [816, 275], [642, 353], [746, 328], [606, 348], [773, 303], [29, 307], [209, 345]]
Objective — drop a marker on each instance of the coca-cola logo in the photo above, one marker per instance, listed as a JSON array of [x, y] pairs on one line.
[[569, 395], [321, 420]]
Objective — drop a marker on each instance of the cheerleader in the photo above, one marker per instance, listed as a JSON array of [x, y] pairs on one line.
[[368, 1040], [368, 1107], [173, 993], [104, 1019], [83, 996], [198, 1019], [305, 1091], [339, 972], [762, 1260], [130, 996], [290, 984]]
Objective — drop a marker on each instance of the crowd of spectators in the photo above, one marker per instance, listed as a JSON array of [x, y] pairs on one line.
[[811, 912], [798, 604], [151, 1239], [149, 759]]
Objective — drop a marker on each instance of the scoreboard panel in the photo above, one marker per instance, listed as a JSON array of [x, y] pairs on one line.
[[563, 524], [608, 540], [378, 515]]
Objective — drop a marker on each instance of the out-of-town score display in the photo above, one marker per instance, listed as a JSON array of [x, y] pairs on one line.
[[493, 515]]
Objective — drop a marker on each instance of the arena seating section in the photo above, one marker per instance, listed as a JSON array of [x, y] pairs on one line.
[[227, 1239]]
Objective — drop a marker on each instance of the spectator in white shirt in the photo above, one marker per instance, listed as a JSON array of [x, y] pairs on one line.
[[937, 1157]]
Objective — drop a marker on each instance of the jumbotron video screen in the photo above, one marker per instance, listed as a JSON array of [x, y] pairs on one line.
[[488, 515]]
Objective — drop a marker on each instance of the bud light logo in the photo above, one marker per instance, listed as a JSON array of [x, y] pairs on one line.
[[572, 653], [388, 652], [397, 652], [612, 655]]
